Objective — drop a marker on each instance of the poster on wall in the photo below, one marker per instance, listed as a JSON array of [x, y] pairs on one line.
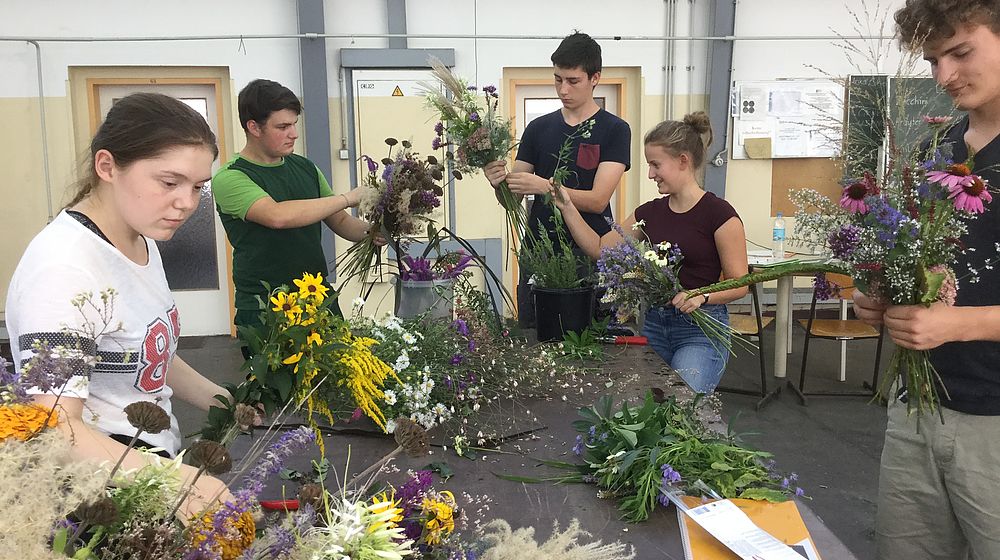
[[787, 119]]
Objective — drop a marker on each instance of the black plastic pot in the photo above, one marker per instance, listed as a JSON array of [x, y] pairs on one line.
[[558, 311]]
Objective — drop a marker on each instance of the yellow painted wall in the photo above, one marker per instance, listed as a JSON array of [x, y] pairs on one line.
[[23, 198], [22, 189]]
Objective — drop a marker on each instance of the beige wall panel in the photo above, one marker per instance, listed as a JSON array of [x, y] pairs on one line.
[[22, 190]]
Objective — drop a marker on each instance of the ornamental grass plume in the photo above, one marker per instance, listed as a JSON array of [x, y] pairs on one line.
[[506, 544], [32, 469]]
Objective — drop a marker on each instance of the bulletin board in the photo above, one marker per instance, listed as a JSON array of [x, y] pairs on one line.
[[787, 119]]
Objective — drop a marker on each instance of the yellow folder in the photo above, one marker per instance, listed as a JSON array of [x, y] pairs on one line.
[[781, 520]]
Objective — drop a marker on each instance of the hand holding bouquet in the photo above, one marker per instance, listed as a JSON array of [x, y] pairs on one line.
[[398, 201], [637, 272], [478, 133]]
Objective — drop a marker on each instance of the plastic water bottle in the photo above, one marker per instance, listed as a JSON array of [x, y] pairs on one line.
[[778, 239]]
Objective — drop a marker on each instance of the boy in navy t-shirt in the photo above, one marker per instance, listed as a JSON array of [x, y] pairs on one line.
[[596, 164]]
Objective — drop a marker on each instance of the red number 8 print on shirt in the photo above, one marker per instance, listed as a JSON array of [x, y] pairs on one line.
[[156, 352]]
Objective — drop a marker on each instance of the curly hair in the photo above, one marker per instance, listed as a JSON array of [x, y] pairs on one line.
[[932, 20]]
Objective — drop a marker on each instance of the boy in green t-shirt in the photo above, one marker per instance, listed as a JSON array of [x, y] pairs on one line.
[[272, 201]]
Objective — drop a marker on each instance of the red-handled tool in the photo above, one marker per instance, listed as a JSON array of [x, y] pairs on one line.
[[635, 340], [280, 505]]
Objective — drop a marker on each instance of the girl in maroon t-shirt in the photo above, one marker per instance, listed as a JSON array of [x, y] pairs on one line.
[[706, 228]]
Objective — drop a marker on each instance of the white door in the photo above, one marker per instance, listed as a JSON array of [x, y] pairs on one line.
[[195, 259], [534, 100]]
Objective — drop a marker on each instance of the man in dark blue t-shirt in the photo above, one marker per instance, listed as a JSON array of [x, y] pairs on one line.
[[596, 163], [938, 486]]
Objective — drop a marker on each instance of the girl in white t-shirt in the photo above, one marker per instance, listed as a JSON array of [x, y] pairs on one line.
[[148, 163]]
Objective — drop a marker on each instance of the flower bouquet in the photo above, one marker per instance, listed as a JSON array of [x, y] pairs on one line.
[[398, 201], [637, 273], [897, 236], [478, 132], [304, 353]]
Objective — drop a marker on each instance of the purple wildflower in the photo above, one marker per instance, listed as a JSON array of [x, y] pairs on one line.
[[436, 143], [471, 88], [372, 166], [439, 128], [784, 483], [472, 345], [461, 326], [844, 241], [474, 117], [670, 477], [491, 89], [578, 448], [888, 217], [13, 390], [456, 359], [799, 491], [416, 269], [415, 487], [427, 198], [51, 367], [274, 458], [824, 288]]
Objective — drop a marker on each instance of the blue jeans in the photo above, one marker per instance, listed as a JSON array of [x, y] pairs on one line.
[[675, 337]]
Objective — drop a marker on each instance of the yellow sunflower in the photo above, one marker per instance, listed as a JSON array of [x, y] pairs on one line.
[[314, 338], [287, 304], [441, 517], [312, 287]]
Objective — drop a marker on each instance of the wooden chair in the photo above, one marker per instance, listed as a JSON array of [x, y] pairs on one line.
[[751, 326], [842, 329]]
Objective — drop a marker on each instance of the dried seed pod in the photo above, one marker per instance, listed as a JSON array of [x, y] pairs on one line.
[[391, 141], [412, 437], [432, 160], [406, 144], [311, 494], [457, 174], [246, 416], [210, 455], [147, 416]]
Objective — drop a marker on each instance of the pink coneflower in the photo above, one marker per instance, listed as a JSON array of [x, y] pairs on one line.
[[853, 196], [970, 195], [957, 175]]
